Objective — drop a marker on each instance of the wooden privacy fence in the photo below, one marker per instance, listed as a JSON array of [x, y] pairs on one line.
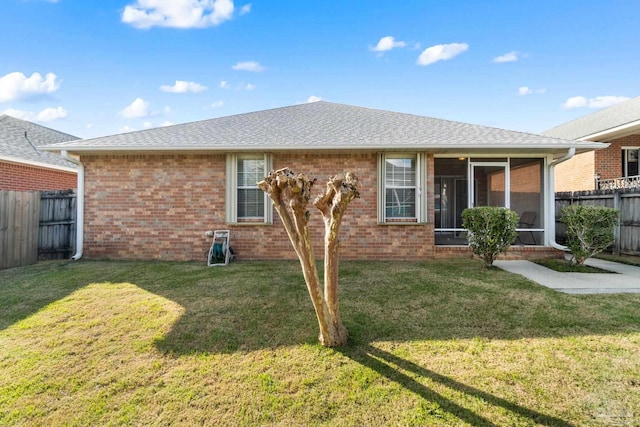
[[19, 221], [627, 201], [36, 226], [57, 235]]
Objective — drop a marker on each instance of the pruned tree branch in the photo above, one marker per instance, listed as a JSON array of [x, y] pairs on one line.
[[290, 194]]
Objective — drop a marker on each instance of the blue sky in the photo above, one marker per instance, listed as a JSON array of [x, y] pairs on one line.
[[93, 68]]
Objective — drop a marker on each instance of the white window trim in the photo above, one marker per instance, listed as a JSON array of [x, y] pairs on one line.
[[231, 190], [421, 195], [625, 159]]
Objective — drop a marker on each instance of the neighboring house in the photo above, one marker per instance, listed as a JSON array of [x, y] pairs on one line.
[[613, 167], [153, 194], [24, 166]]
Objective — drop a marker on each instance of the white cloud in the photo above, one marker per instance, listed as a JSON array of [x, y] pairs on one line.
[[138, 108], [16, 86], [177, 13], [596, 102], [387, 43], [224, 84], [246, 86], [147, 125], [47, 115], [248, 66], [166, 123], [51, 114], [441, 52], [182, 86], [126, 128], [245, 9], [19, 114], [525, 90], [576, 102], [217, 104], [512, 56], [606, 101], [313, 98]]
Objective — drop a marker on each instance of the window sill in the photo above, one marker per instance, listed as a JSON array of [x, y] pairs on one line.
[[250, 224], [404, 223]]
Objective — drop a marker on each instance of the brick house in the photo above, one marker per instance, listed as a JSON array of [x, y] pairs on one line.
[[613, 167], [24, 166], [153, 194]]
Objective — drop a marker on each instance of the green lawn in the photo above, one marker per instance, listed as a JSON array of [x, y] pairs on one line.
[[432, 343]]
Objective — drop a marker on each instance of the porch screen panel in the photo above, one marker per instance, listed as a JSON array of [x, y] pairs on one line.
[[451, 194], [527, 198]]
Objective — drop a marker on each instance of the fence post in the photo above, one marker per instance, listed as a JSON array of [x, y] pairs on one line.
[[616, 232]]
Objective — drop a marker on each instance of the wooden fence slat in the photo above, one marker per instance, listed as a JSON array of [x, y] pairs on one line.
[[57, 225], [4, 229], [21, 230]]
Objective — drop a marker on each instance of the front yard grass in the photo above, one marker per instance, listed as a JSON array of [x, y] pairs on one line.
[[432, 343]]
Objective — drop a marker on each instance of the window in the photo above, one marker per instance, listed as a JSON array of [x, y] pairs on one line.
[[630, 158], [245, 202], [400, 193]]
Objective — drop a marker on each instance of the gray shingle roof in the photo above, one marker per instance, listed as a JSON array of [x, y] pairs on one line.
[[606, 119], [21, 140], [320, 125]]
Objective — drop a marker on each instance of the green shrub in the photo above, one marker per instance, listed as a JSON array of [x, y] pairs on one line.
[[589, 230], [491, 231]]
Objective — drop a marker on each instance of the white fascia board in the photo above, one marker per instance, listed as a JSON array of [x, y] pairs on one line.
[[235, 148], [616, 132], [40, 165]]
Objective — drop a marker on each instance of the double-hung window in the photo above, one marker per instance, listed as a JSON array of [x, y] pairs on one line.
[[630, 159], [400, 193], [245, 202]]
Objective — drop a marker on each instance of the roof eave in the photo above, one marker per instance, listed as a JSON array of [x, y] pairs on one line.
[[614, 133], [41, 165], [106, 149]]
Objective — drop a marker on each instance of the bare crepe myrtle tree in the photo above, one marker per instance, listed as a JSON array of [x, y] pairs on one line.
[[291, 194]]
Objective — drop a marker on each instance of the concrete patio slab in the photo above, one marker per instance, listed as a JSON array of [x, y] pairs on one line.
[[623, 279]]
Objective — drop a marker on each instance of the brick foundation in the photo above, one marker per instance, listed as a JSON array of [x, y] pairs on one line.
[[514, 252]]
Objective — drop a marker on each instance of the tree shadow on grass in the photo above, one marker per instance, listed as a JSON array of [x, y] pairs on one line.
[[26, 290], [408, 375], [252, 306]]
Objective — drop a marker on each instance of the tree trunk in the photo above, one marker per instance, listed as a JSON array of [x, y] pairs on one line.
[[340, 191], [291, 194]]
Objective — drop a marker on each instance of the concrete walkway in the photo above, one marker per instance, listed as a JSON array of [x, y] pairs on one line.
[[626, 278]]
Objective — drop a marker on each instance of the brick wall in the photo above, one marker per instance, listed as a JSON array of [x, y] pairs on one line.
[[609, 160], [16, 177], [515, 252], [576, 174], [159, 207]]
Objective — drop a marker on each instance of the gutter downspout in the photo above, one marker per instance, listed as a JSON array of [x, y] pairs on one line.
[[79, 206], [551, 215]]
